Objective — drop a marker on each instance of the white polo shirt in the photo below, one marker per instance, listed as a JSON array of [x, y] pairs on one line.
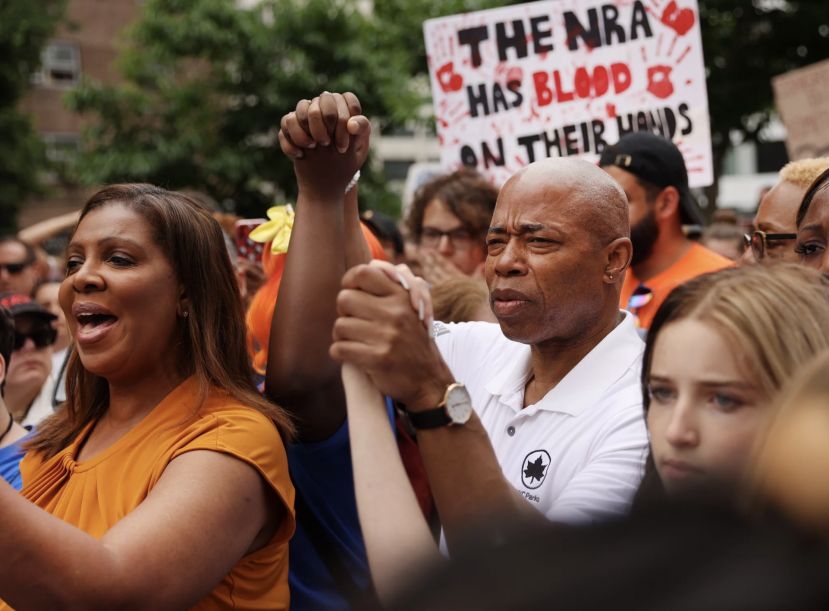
[[579, 453]]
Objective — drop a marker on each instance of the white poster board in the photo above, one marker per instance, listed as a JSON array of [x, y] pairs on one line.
[[802, 99], [567, 78]]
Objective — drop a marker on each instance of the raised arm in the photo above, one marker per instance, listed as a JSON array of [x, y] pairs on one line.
[[380, 332], [207, 511], [386, 503], [300, 374], [40, 232], [356, 247]]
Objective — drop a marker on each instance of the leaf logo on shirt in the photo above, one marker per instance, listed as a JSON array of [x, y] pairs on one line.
[[534, 469]]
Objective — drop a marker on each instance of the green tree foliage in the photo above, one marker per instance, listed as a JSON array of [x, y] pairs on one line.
[[746, 43], [25, 26], [206, 84]]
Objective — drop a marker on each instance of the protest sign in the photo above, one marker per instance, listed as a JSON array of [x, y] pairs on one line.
[[802, 99], [567, 78]]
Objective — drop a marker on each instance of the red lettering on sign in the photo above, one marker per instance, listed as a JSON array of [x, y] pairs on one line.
[[542, 90]]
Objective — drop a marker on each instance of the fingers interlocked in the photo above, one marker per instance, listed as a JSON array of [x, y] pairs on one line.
[[384, 310], [318, 122]]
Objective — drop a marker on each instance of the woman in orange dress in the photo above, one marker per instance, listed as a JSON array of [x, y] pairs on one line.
[[162, 483]]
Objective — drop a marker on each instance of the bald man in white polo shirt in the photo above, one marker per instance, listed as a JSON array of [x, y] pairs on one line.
[[548, 402]]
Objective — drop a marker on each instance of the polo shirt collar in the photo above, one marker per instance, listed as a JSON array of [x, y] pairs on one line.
[[513, 378], [588, 381]]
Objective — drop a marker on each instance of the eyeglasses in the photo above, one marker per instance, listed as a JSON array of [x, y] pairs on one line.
[[758, 241], [459, 238], [41, 336], [15, 268], [641, 296]]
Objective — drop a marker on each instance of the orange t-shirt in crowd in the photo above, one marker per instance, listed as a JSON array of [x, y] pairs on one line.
[[697, 261], [95, 494]]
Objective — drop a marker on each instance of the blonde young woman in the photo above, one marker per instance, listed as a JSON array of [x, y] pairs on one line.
[[719, 350]]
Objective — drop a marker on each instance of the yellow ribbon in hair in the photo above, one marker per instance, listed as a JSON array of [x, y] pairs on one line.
[[277, 230]]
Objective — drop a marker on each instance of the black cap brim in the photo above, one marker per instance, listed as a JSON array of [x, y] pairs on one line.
[[690, 211]]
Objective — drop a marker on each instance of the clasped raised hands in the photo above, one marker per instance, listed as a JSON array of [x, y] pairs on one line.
[[385, 318], [328, 139]]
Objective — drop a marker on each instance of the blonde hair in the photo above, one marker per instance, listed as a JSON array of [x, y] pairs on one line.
[[803, 172], [776, 316], [790, 465], [459, 299]]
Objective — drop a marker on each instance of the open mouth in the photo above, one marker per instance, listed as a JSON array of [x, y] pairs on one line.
[[95, 320], [93, 323]]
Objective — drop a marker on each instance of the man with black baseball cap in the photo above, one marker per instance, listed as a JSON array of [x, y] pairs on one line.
[[652, 173], [11, 433], [29, 383]]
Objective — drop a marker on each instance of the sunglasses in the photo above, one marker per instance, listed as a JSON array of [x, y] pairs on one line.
[[41, 337], [15, 268], [758, 241]]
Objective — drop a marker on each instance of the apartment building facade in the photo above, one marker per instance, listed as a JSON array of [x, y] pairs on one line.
[[85, 44]]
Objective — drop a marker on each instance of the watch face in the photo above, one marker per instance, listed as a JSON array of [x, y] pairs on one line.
[[458, 404]]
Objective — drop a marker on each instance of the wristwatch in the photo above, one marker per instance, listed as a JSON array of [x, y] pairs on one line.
[[456, 408]]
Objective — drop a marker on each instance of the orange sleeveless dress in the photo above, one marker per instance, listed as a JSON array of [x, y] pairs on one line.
[[95, 494]]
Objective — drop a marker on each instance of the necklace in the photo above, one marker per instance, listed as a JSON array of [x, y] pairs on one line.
[[8, 428]]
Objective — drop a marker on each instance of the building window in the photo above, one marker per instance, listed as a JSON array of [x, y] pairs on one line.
[[60, 65], [61, 147]]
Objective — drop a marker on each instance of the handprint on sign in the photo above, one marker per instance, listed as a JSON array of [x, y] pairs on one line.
[[448, 79], [679, 20], [442, 55], [659, 81]]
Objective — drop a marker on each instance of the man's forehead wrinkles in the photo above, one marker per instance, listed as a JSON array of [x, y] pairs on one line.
[[524, 226]]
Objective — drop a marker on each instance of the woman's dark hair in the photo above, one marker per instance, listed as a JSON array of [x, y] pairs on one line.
[[467, 194], [821, 182], [213, 336], [680, 555]]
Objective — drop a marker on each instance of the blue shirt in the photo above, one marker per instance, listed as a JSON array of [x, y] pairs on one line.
[[323, 475], [10, 458]]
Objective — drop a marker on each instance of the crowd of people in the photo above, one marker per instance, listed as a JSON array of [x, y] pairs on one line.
[[560, 384]]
